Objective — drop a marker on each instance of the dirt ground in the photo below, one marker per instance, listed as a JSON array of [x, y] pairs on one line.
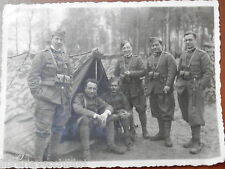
[[146, 149]]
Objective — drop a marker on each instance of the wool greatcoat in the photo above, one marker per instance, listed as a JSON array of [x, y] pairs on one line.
[[131, 85], [190, 90], [162, 105]]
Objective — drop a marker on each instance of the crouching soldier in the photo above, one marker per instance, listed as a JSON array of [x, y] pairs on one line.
[[93, 117], [122, 110], [195, 73], [160, 75]]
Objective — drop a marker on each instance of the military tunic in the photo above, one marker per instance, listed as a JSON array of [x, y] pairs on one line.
[[118, 101], [190, 89], [161, 71], [82, 104], [52, 96], [131, 85]]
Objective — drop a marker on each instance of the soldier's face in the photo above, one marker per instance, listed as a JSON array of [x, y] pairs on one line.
[[57, 42], [190, 42], [127, 50], [91, 89], [114, 86], [156, 47]]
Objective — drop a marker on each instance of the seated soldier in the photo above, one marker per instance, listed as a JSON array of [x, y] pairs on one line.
[[93, 118], [122, 110]]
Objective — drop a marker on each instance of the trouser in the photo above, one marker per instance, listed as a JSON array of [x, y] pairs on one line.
[[192, 106], [86, 125], [162, 106], [139, 102], [50, 120]]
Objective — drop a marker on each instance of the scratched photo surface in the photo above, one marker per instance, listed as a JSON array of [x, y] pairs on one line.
[[91, 44]]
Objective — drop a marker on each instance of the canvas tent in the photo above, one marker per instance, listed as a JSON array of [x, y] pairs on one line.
[[19, 123]]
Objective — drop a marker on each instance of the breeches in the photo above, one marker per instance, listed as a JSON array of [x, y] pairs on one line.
[[162, 106], [50, 118], [192, 106], [139, 102]]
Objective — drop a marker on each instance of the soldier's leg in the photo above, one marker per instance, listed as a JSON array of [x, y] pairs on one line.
[[110, 134], [127, 135], [140, 105], [61, 116], [167, 106], [155, 113], [183, 100], [196, 140], [85, 138], [43, 122]]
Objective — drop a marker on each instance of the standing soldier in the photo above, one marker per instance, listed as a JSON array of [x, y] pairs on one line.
[[49, 82], [130, 69], [160, 75], [195, 73]]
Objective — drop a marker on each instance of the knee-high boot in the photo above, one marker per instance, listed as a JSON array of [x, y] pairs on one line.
[[160, 134], [53, 147], [85, 139], [40, 147], [167, 129], [143, 120], [197, 146]]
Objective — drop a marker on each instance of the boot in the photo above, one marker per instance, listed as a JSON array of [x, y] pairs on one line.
[[54, 143], [111, 139], [115, 149], [40, 146], [167, 129], [128, 141], [197, 146], [160, 134], [143, 120], [132, 128], [189, 144], [85, 140], [86, 155]]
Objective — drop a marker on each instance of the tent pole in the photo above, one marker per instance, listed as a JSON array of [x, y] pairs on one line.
[[96, 69]]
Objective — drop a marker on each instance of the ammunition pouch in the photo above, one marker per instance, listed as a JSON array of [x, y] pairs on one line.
[[186, 75], [154, 75], [62, 79]]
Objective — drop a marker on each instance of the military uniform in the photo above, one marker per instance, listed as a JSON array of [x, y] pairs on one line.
[[119, 102], [131, 86], [161, 71], [49, 82], [195, 73], [88, 127]]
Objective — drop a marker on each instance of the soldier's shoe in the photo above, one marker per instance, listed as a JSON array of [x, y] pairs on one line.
[[168, 142], [133, 135], [145, 134], [157, 137], [189, 144], [86, 155], [196, 149], [115, 149]]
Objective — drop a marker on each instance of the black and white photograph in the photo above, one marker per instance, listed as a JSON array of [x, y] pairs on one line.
[[111, 84]]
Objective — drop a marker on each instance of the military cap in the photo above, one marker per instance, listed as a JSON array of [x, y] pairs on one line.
[[191, 33], [60, 33], [155, 39]]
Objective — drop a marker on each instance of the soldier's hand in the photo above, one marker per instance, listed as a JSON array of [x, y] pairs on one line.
[[166, 89], [127, 73]]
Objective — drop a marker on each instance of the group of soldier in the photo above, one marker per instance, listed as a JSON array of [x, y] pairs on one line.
[[111, 114]]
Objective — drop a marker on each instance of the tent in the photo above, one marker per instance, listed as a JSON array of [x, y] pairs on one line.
[[19, 123]]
